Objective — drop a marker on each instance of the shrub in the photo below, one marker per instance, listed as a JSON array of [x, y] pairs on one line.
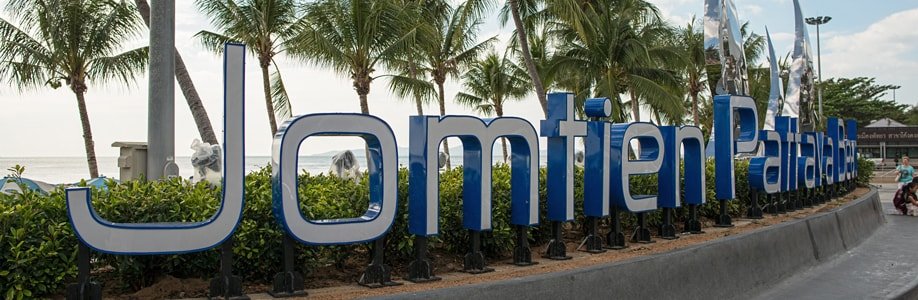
[[864, 171], [39, 248]]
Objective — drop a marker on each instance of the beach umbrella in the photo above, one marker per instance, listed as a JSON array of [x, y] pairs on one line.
[[9, 185], [99, 182]]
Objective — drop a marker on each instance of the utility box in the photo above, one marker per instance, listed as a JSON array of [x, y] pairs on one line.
[[133, 160]]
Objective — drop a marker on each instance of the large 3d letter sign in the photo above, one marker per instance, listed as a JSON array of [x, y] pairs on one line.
[[692, 141], [171, 238], [731, 113], [787, 163], [478, 137], [560, 128], [648, 160], [383, 172], [376, 221]]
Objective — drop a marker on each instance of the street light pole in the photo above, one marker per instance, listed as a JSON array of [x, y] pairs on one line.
[[819, 21], [894, 88]]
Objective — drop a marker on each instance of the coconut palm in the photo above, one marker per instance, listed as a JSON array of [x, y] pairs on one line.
[[622, 43], [490, 83], [758, 74], [265, 27], [448, 44], [517, 8], [355, 37], [543, 49], [412, 83], [198, 112], [690, 41], [72, 43]]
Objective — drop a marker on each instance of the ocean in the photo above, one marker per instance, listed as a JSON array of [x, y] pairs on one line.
[[63, 170]]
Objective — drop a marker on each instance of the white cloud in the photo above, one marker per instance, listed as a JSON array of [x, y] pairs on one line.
[[668, 9], [751, 10], [886, 50]]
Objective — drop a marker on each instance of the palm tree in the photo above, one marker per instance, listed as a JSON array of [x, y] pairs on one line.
[[412, 83], [355, 37], [490, 83], [758, 74], [448, 45], [73, 43], [411, 80], [266, 27], [690, 41], [522, 37], [622, 43], [198, 112], [542, 48]]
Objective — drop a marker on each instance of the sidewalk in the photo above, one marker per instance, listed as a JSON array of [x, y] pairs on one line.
[[882, 267]]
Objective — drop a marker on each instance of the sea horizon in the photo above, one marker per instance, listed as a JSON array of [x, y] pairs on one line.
[[72, 169]]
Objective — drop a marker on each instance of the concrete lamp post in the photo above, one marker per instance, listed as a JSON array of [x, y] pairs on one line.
[[161, 113]]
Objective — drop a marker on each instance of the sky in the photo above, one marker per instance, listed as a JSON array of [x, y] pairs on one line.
[[865, 38]]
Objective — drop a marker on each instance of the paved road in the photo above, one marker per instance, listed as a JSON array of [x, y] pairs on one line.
[[877, 269]]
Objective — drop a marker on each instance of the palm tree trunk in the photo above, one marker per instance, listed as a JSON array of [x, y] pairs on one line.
[[636, 117], [695, 107], [499, 110], [527, 56], [364, 106], [413, 72], [417, 104], [442, 101], [656, 115], [362, 86], [198, 112], [87, 136], [269, 103], [635, 107]]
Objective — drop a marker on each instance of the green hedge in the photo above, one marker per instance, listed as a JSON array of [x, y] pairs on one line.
[[865, 172], [41, 253]]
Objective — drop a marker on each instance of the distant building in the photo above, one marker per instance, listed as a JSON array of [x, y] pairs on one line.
[[886, 140]]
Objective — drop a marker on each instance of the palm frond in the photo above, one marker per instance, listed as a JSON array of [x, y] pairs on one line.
[[124, 67], [406, 87], [279, 97], [213, 41], [476, 103], [71, 42]]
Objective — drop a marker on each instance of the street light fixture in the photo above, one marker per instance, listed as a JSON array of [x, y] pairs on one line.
[[894, 88], [819, 21]]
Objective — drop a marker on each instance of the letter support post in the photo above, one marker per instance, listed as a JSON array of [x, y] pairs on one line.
[[85, 288], [288, 283], [226, 285]]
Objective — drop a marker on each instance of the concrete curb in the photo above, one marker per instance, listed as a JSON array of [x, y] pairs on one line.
[[732, 267], [909, 291]]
